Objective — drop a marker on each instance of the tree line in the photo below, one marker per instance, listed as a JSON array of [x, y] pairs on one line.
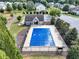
[[8, 48], [69, 35], [62, 1]]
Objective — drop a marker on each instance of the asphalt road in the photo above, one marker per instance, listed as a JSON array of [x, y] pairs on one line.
[[74, 22]]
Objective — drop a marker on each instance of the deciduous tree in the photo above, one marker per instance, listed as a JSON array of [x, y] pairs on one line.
[[9, 8]]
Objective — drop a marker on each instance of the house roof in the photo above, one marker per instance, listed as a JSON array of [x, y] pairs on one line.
[[30, 17], [39, 7]]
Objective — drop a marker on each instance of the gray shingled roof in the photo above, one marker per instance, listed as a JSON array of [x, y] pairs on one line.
[[30, 17]]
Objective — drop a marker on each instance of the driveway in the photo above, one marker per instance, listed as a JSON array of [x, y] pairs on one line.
[[74, 22]]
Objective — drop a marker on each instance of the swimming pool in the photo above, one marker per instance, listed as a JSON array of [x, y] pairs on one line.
[[41, 37]]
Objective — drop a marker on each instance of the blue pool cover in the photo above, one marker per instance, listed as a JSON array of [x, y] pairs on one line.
[[41, 37]]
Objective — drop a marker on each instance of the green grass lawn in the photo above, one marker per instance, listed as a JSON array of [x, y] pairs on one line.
[[15, 12], [75, 16], [15, 29], [44, 57]]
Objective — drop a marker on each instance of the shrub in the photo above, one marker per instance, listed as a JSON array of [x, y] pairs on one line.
[[24, 12], [53, 20], [11, 15], [2, 10], [73, 13], [19, 18]]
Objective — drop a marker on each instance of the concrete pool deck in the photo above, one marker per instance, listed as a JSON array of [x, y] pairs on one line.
[[59, 42]]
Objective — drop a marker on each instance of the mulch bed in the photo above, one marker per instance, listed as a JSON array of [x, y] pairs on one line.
[[21, 37]]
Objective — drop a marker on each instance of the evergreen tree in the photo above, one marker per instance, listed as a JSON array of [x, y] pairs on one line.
[[7, 42], [20, 6], [73, 52], [66, 8], [30, 6], [3, 55], [24, 6], [71, 36], [14, 6]]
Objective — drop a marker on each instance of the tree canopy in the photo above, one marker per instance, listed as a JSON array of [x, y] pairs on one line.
[[3, 55], [54, 11], [30, 6], [7, 42]]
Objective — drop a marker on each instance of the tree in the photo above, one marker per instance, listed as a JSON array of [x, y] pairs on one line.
[[77, 2], [66, 8], [53, 21], [24, 6], [56, 1], [3, 19], [70, 36], [50, 0], [7, 43], [44, 2], [66, 1], [62, 27], [73, 52], [20, 6], [19, 18], [2, 10], [9, 8], [14, 6], [30, 6], [71, 1], [61, 1], [54, 11], [35, 0], [3, 55]]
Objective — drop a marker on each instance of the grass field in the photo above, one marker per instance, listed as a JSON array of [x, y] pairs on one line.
[[75, 16], [15, 29], [15, 13], [44, 57]]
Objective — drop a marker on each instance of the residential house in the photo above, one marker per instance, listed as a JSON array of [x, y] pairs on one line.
[[51, 4], [71, 6], [2, 5], [58, 5], [40, 7], [31, 19], [75, 10]]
